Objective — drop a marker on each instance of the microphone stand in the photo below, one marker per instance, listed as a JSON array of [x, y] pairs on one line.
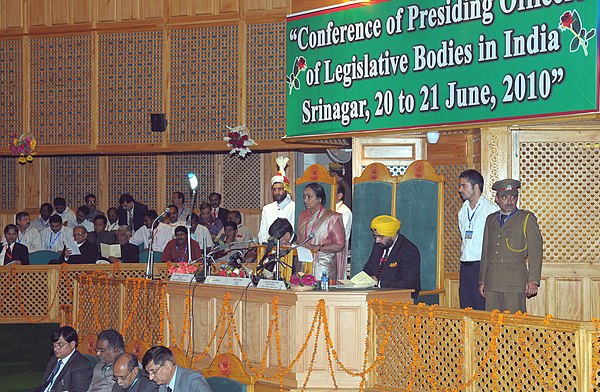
[[150, 265], [277, 255], [189, 227]]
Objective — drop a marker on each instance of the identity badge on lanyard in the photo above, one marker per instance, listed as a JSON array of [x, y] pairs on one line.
[[469, 232]]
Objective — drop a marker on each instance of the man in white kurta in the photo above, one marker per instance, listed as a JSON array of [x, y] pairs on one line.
[[282, 207]]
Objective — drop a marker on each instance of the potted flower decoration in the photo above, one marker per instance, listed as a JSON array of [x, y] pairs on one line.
[[239, 140], [23, 146], [302, 282]]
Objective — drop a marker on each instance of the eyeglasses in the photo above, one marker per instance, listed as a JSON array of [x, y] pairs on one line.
[[378, 236], [59, 345], [78, 234], [154, 371], [122, 378]]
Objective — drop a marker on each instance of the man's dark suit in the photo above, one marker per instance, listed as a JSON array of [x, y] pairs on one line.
[[130, 253], [74, 376], [19, 252], [402, 269], [104, 237], [188, 380], [222, 214], [139, 210], [143, 384], [89, 255]]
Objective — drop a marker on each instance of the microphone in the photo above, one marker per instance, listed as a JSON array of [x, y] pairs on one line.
[[193, 181], [235, 260], [162, 216], [285, 252]]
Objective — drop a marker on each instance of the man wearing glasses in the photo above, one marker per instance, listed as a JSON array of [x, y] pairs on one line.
[[394, 262], [129, 377], [68, 369], [159, 362], [88, 251], [511, 237], [109, 346]]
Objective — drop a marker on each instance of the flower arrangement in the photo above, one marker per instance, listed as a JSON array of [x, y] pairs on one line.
[[23, 146], [239, 140], [302, 282], [233, 272], [183, 268]]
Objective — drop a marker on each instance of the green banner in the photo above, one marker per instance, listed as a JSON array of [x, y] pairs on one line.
[[377, 65]]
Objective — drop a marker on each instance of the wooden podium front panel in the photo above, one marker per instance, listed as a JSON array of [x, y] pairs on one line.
[[347, 313]]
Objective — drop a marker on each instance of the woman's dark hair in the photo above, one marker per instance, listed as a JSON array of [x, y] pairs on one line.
[[279, 227]]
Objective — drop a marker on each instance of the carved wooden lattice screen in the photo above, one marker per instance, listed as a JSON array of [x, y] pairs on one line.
[[178, 167], [265, 92], [130, 86], [452, 203], [241, 181], [8, 171], [73, 178], [11, 93], [560, 185], [61, 89], [135, 175], [204, 85]]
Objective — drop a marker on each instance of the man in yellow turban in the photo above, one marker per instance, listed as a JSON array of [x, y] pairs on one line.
[[394, 262]]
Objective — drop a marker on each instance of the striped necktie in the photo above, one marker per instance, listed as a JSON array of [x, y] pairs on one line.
[[382, 262]]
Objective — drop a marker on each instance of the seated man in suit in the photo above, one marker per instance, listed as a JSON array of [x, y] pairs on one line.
[[394, 260], [68, 369], [13, 252], [130, 253], [129, 377], [217, 211], [89, 251], [214, 225], [159, 362], [100, 235]]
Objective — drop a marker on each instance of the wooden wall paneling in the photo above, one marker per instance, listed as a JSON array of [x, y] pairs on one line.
[[305, 5], [496, 150], [241, 72], [61, 12], [161, 183], [102, 196], [569, 296], [204, 7], [128, 10], [594, 297], [106, 10], [38, 12], [12, 17], [82, 11], [152, 9], [179, 8], [452, 148], [30, 184], [218, 185], [229, 6]]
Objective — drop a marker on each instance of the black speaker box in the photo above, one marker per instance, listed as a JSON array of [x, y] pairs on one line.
[[158, 122]]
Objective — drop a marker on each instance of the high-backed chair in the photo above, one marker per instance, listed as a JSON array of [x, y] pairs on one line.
[[42, 257], [87, 347], [180, 358], [319, 174], [228, 367], [138, 348], [145, 254]]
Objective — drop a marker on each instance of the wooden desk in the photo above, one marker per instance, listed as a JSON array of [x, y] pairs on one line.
[[347, 312]]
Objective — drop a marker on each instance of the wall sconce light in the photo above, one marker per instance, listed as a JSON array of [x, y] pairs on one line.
[[432, 137]]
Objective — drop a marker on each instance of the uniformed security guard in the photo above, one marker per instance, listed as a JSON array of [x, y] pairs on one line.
[[511, 237]]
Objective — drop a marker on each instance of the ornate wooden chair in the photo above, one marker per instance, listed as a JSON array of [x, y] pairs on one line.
[[226, 368]]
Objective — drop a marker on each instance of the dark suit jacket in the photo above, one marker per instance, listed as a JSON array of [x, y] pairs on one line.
[[188, 380], [402, 269], [19, 252], [143, 384], [130, 253], [89, 255], [222, 215], [75, 375], [106, 237], [139, 210]]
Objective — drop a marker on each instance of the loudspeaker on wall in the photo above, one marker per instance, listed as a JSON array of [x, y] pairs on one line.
[[158, 122]]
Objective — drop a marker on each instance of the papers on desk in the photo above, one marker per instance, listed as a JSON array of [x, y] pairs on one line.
[[72, 246], [110, 250], [359, 281], [304, 254]]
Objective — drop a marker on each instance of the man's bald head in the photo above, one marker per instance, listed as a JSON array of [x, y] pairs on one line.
[[126, 369]]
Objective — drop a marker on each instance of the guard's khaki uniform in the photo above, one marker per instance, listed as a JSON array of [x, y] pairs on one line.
[[504, 271]]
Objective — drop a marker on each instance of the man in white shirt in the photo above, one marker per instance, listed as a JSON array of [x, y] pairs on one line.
[[471, 222], [200, 234], [53, 237], [41, 223], [27, 235], [80, 216], [67, 215], [282, 207], [163, 233]]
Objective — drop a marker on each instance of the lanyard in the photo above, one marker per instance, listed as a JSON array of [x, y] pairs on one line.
[[55, 238], [509, 215], [470, 217], [180, 258]]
